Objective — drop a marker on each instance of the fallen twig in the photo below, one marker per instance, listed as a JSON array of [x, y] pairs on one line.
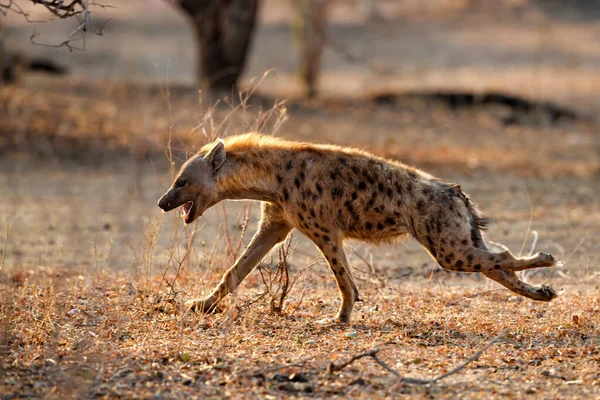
[[416, 381]]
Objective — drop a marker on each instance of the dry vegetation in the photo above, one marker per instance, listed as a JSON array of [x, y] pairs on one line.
[[93, 278], [104, 333]]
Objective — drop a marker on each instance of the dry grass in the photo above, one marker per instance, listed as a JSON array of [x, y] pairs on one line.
[[97, 332], [107, 335]]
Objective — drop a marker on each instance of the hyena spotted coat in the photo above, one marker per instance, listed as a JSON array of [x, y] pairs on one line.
[[332, 193]]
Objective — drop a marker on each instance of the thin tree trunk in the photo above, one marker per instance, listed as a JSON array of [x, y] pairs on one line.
[[224, 30], [2, 55], [311, 22]]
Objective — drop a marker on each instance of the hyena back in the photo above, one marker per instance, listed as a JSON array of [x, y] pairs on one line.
[[330, 194]]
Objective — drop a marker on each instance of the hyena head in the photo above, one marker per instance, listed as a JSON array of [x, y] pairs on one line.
[[195, 187]]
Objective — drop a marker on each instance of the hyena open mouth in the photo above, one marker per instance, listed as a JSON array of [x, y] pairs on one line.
[[185, 211]]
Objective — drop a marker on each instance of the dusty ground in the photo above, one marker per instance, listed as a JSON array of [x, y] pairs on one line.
[[93, 273]]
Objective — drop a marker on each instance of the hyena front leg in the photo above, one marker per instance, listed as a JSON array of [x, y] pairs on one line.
[[273, 229], [333, 251]]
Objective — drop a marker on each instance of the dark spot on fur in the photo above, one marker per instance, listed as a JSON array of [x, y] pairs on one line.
[[355, 169], [477, 267], [464, 242], [390, 221], [286, 194], [380, 226], [362, 185], [380, 187], [354, 196], [289, 165], [469, 258], [336, 193], [303, 206], [390, 193], [369, 225], [335, 249], [302, 175], [301, 217], [313, 214], [459, 263], [297, 183], [349, 206], [421, 206], [326, 238], [316, 235], [319, 188], [334, 261], [279, 178]]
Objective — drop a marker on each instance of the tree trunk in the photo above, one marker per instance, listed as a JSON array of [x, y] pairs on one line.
[[223, 31], [310, 22], [2, 55]]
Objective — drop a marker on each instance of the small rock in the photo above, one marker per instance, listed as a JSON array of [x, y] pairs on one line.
[[351, 335]]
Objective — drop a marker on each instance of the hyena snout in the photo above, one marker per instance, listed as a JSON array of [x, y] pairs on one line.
[[166, 203]]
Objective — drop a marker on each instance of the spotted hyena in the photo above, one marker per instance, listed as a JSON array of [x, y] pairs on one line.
[[332, 193]]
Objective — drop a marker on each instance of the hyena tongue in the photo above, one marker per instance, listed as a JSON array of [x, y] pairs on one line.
[[185, 210]]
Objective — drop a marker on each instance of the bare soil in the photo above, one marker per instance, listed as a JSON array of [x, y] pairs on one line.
[[93, 275]]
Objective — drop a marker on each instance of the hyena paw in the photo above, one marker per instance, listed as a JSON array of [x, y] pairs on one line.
[[546, 293], [200, 305], [328, 321]]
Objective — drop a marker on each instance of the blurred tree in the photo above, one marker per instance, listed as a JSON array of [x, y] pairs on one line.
[[224, 30], [309, 31], [13, 64]]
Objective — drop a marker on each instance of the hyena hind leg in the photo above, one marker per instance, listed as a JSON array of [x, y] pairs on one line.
[[509, 280], [472, 259]]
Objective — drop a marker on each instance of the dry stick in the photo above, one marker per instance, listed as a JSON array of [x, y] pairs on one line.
[[416, 381], [4, 248]]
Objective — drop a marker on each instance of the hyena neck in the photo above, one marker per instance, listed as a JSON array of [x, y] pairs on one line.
[[248, 174]]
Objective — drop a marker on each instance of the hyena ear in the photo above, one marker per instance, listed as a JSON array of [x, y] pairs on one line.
[[217, 154]]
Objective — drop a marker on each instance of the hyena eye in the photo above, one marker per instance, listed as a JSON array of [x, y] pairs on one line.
[[180, 183]]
